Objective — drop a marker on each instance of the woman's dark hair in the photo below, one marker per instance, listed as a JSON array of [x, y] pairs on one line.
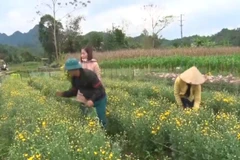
[[89, 51]]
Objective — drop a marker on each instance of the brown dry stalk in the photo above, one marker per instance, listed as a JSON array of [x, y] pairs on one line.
[[201, 51]]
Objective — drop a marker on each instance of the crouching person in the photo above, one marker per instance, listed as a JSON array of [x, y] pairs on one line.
[[90, 86], [187, 88]]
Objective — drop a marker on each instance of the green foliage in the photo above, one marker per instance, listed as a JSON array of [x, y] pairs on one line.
[[95, 39], [46, 34], [115, 39], [203, 42], [16, 54], [225, 37], [72, 36], [156, 128], [228, 63], [34, 126], [151, 42]]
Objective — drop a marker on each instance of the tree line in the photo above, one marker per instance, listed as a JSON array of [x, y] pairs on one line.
[[17, 54], [56, 39]]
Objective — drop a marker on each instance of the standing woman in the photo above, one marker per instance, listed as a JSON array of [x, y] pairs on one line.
[[187, 88], [87, 62]]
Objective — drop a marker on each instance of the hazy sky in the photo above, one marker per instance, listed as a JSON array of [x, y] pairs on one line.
[[203, 17]]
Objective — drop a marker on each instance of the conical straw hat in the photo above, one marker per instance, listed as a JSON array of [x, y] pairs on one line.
[[192, 76]]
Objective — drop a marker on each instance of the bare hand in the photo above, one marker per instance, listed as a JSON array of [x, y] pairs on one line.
[[89, 103], [59, 94], [81, 98], [195, 108]]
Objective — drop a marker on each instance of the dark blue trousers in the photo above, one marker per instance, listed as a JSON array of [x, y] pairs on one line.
[[187, 103]]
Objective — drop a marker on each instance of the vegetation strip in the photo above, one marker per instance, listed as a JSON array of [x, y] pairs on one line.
[[228, 63], [153, 124], [32, 125]]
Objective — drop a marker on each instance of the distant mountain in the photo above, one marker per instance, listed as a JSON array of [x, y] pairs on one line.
[[88, 35], [225, 37], [30, 39], [18, 39]]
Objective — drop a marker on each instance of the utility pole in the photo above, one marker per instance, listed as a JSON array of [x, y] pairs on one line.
[[181, 25]]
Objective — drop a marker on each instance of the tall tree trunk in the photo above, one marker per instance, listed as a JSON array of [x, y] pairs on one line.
[[54, 29], [153, 42]]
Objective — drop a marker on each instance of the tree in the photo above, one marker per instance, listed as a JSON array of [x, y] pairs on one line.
[[46, 27], [114, 39], [27, 56], [119, 37], [109, 41], [15, 54], [157, 21], [145, 32], [124, 25], [95, 40], [54, 6], [72, 34], [147, 40]]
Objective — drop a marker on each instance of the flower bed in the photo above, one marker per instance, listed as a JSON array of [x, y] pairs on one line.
[[156, 128], [35, 126]]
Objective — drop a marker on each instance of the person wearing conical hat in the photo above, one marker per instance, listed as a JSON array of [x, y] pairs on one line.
[[187, 88]]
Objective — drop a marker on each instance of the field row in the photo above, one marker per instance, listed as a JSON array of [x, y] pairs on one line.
[[147, 115], [199, 51], [215, 83], [229, 63], [34, 126]]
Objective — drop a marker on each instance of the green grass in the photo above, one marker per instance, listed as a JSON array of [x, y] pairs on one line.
[[25, 66], [230, 63]]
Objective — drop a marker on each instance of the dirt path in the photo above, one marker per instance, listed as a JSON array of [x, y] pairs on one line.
[[210, 78]]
